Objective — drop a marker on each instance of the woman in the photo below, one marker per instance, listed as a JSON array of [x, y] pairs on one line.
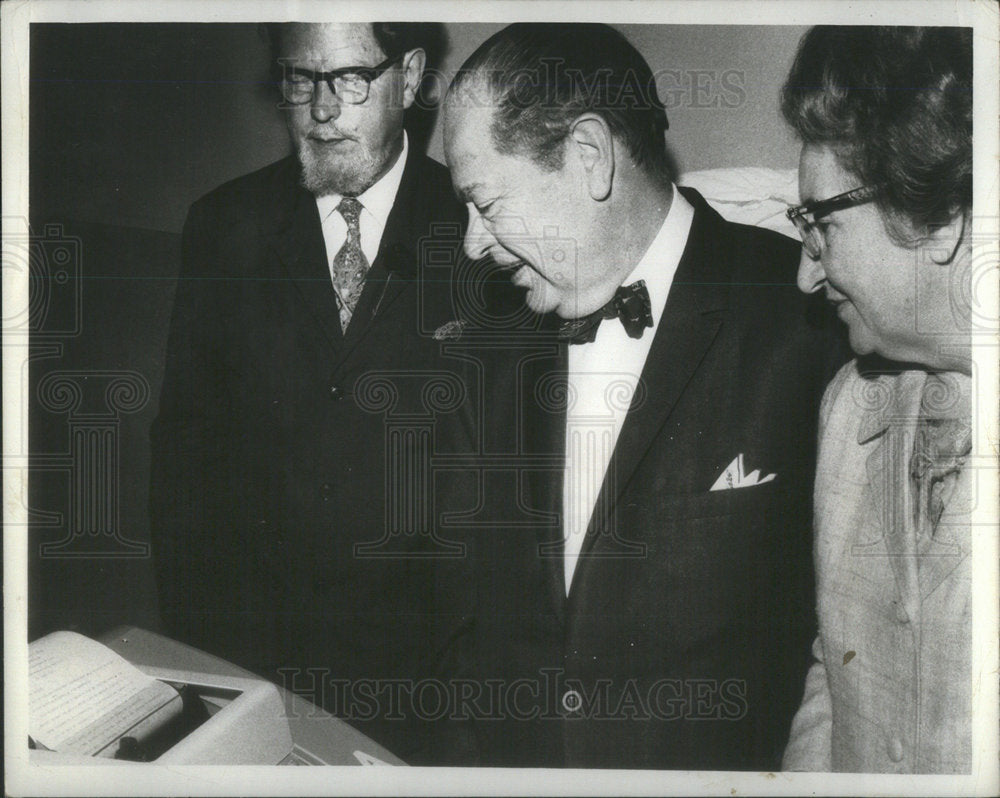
[[885, 175]]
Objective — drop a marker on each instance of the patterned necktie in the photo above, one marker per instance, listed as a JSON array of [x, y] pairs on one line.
[[350, 264], [630, 304]]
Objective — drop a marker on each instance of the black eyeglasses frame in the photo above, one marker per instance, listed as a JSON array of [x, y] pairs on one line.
[[366, 73], [812, 239]]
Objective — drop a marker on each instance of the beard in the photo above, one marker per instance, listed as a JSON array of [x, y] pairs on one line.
[[349, 171]]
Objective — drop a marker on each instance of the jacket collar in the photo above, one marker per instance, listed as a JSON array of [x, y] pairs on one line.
[[892, 404], [690, 324], [291, 226], [887, 399], [378, 199], [293, 229], [892, 393]]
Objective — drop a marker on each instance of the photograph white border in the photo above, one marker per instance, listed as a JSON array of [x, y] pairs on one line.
[[22, 779]]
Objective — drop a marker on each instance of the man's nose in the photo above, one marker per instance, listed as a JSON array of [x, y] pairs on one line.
[[325, 105], [811, 275], [477, 238]]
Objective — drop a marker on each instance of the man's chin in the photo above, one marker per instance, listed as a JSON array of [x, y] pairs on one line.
[[861, 343], [548, 301], [327, 175], [541, 301], [326, 181]]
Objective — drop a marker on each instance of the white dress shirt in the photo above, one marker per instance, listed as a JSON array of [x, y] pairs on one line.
[[376, 203], [603, 376]]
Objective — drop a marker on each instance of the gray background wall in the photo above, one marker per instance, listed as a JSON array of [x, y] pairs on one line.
[[131, 123]]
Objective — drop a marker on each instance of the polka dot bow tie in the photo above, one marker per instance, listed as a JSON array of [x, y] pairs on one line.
[[630, 304]]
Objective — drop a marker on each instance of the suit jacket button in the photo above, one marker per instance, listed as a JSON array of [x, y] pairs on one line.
[[896, 749], [901, 615], [336, 392], [572, 701]]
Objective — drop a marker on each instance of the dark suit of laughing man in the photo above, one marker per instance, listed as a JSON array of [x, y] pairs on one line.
[[661, 618]]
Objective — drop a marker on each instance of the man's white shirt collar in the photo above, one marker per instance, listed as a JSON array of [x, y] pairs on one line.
[[659, 264], [376, 203]]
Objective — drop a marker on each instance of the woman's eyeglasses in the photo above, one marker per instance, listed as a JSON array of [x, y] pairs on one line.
[[804, 216]]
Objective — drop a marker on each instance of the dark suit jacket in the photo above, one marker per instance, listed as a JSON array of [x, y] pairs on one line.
[[686, 633], [280, 538]]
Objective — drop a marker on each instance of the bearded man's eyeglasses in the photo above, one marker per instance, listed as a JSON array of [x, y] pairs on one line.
[[350, 84]]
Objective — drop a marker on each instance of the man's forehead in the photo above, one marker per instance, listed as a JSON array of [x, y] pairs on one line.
[[467, 124], [330, 45], [474, 177], [468, 145]]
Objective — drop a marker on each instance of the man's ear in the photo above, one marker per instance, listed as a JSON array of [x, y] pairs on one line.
[[413, 72], [595, 147]]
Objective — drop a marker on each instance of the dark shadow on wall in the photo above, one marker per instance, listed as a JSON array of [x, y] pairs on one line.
[[101, 307], [130, 123]]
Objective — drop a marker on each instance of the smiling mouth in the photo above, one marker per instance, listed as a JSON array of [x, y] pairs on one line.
[[521, 275], [510, 268], [839, 306]]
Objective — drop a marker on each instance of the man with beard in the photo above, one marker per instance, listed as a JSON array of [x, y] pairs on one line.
[[277, 543]]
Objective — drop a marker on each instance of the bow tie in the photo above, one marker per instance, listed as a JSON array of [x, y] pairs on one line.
[[630, 304]]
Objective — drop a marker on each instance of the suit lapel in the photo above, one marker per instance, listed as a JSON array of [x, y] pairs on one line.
[[889, 485], [395, 268], [690, 323], [951, 542], [544, 425], [891, 506], [296, 237]]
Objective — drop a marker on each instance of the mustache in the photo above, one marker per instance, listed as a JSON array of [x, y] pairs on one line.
[[325, 134]]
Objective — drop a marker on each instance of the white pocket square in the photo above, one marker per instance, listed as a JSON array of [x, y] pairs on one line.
[[736, 477]]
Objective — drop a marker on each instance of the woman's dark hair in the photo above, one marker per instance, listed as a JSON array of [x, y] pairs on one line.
[[895, 105]]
